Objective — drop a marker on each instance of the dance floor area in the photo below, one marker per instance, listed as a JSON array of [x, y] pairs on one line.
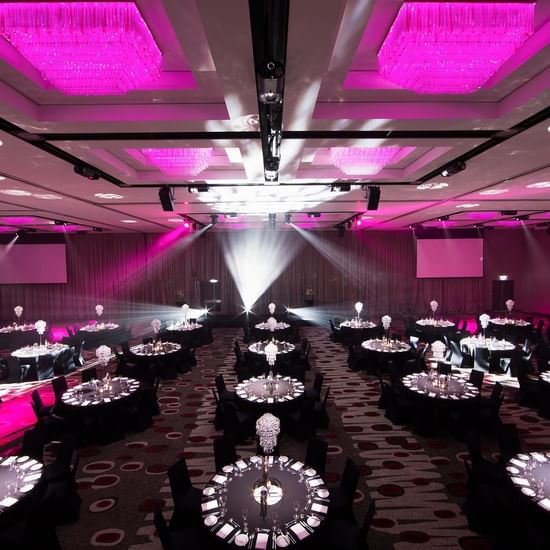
[[418, 482]]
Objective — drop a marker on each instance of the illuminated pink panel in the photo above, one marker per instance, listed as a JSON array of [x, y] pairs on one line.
[[452, 47], [19, 220], [449, 258], [68, 228], [365, 161], [183, 162], [84, 48]]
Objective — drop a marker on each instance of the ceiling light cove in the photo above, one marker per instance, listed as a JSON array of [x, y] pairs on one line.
[[47, 196], [128, 221], [539, 185], [109, 196], [365, 161], [493, 192], [467, 205], [15, 192], [180, 162]]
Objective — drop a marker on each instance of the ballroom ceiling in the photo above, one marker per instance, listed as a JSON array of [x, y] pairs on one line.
[[205, 97]]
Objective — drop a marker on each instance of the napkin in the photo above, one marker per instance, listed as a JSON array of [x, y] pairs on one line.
[[299, 530], [297, 465], [545, 503], [225, 531], [518, 462], [321, 508], [32, 477], [209, 505], [520, 481], [315, 482], [241, 464], [261, 540], [219, 479]]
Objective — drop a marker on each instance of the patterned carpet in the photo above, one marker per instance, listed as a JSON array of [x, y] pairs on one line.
[[417, 482]]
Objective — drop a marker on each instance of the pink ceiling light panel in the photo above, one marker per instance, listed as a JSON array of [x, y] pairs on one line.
[[181, 162], [84, 48], [452, 47], [365, 161]]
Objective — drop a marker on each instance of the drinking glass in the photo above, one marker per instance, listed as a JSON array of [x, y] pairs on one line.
[[275, 519], [244, 514], [296, 507]]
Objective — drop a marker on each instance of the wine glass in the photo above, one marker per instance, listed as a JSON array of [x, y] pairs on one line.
[[244, 514], [296, 507], [275, 520]]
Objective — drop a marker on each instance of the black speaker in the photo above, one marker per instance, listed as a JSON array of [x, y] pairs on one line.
[[373, 197], [166, 199], [502, 291]]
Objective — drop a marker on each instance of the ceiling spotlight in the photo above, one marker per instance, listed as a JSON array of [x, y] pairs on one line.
[[508, 212], [166, 198], [86, 172], [214, 219], [272, 219], [270, 81], [443, 218], [231, 215], [523, 217], [59, 222], [198, 188], [314, 214], [287, 218], [453, 169], [373, 197], [97, 229], [548, 230]]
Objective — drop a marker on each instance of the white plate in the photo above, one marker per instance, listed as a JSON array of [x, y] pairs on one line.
[[283, 458], [27, 488], [255, 459], [23, 459], [208, 491], [227, 468], [282, 541], [323, 493], [241, 539], [210, 520], [312, 521], [310, 472]]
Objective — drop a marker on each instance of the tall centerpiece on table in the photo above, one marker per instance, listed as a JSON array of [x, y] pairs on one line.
[[185, 312], [267, 491], [484, 321], [40, 327], [18, 312], [358, 310], [433, 306], [386, 322], [271, 308], [510, 306], [99, 311], [155, 323], [103, 354], [271, 351]]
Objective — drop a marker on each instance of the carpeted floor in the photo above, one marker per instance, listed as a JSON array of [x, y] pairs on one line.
[[417, 482]]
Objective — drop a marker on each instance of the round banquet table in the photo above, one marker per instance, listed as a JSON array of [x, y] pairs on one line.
[[29, 352], [99, 334], [434, 329], [440, 387], [269, 393], [188, 335], [385, 346], [503, 321], [357, 325], [264, 331], [99, 393], [513, 329], [282, 347], [297, 504], [492, 344], [19, 481], [160, 349], [354, 332]]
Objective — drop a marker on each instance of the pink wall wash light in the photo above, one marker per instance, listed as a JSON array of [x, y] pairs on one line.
[[365, 161], [84, 48], [182, 162], [452, 47]]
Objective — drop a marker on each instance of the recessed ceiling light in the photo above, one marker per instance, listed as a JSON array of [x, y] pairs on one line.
[[15, 192], [467, 205], [435, 185], [46, 196], [176, 219], [2, 178], [367, 217], [108, 196], [493, 191], [1, 143], [128, 221], [539, 185]]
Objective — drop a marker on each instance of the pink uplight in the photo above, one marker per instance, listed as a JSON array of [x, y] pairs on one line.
[[452, 47], [19, 220], [181, 162], [365, 161], [84, 48]]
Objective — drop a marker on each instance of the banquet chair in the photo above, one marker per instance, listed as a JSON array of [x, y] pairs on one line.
[[45, 367], [70, 330], [65, 463], [509, 442], [224, 452], [78, 360], [180, 538], [345, 534], [315, 391], [320, 411], [457, 357], [223, 393], [300, 422], [488, 409], [316, 455], [335, 333], [218, 413], [59, 386], [14, 369], [187, 499], [238, 425], [342, 496], [45, 416], [529, 394], [444, 368], [480, 469], [88, 374], [481, 359], [29, 372], [34, 441], [476, 378]]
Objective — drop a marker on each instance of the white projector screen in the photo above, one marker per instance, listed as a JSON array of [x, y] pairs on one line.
[[449, 258], [33, 263]]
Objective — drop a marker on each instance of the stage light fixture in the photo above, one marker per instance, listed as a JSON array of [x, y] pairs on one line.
[[59, 222], [198, 188], [97, 229], [272, 218], [453, 169], [373, 197], [508, 212], [341, 230], [523, 217], [231, 215], [548, 230], [166, 198], [270, 82], [287, 218], [86, 172], [314, 214], [443, 218], [214, 219]]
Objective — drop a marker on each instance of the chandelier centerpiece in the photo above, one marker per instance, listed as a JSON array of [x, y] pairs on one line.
[[84, 48], [452, 47], [189, 161], [267, 491], [362, 161], [103, 354]]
